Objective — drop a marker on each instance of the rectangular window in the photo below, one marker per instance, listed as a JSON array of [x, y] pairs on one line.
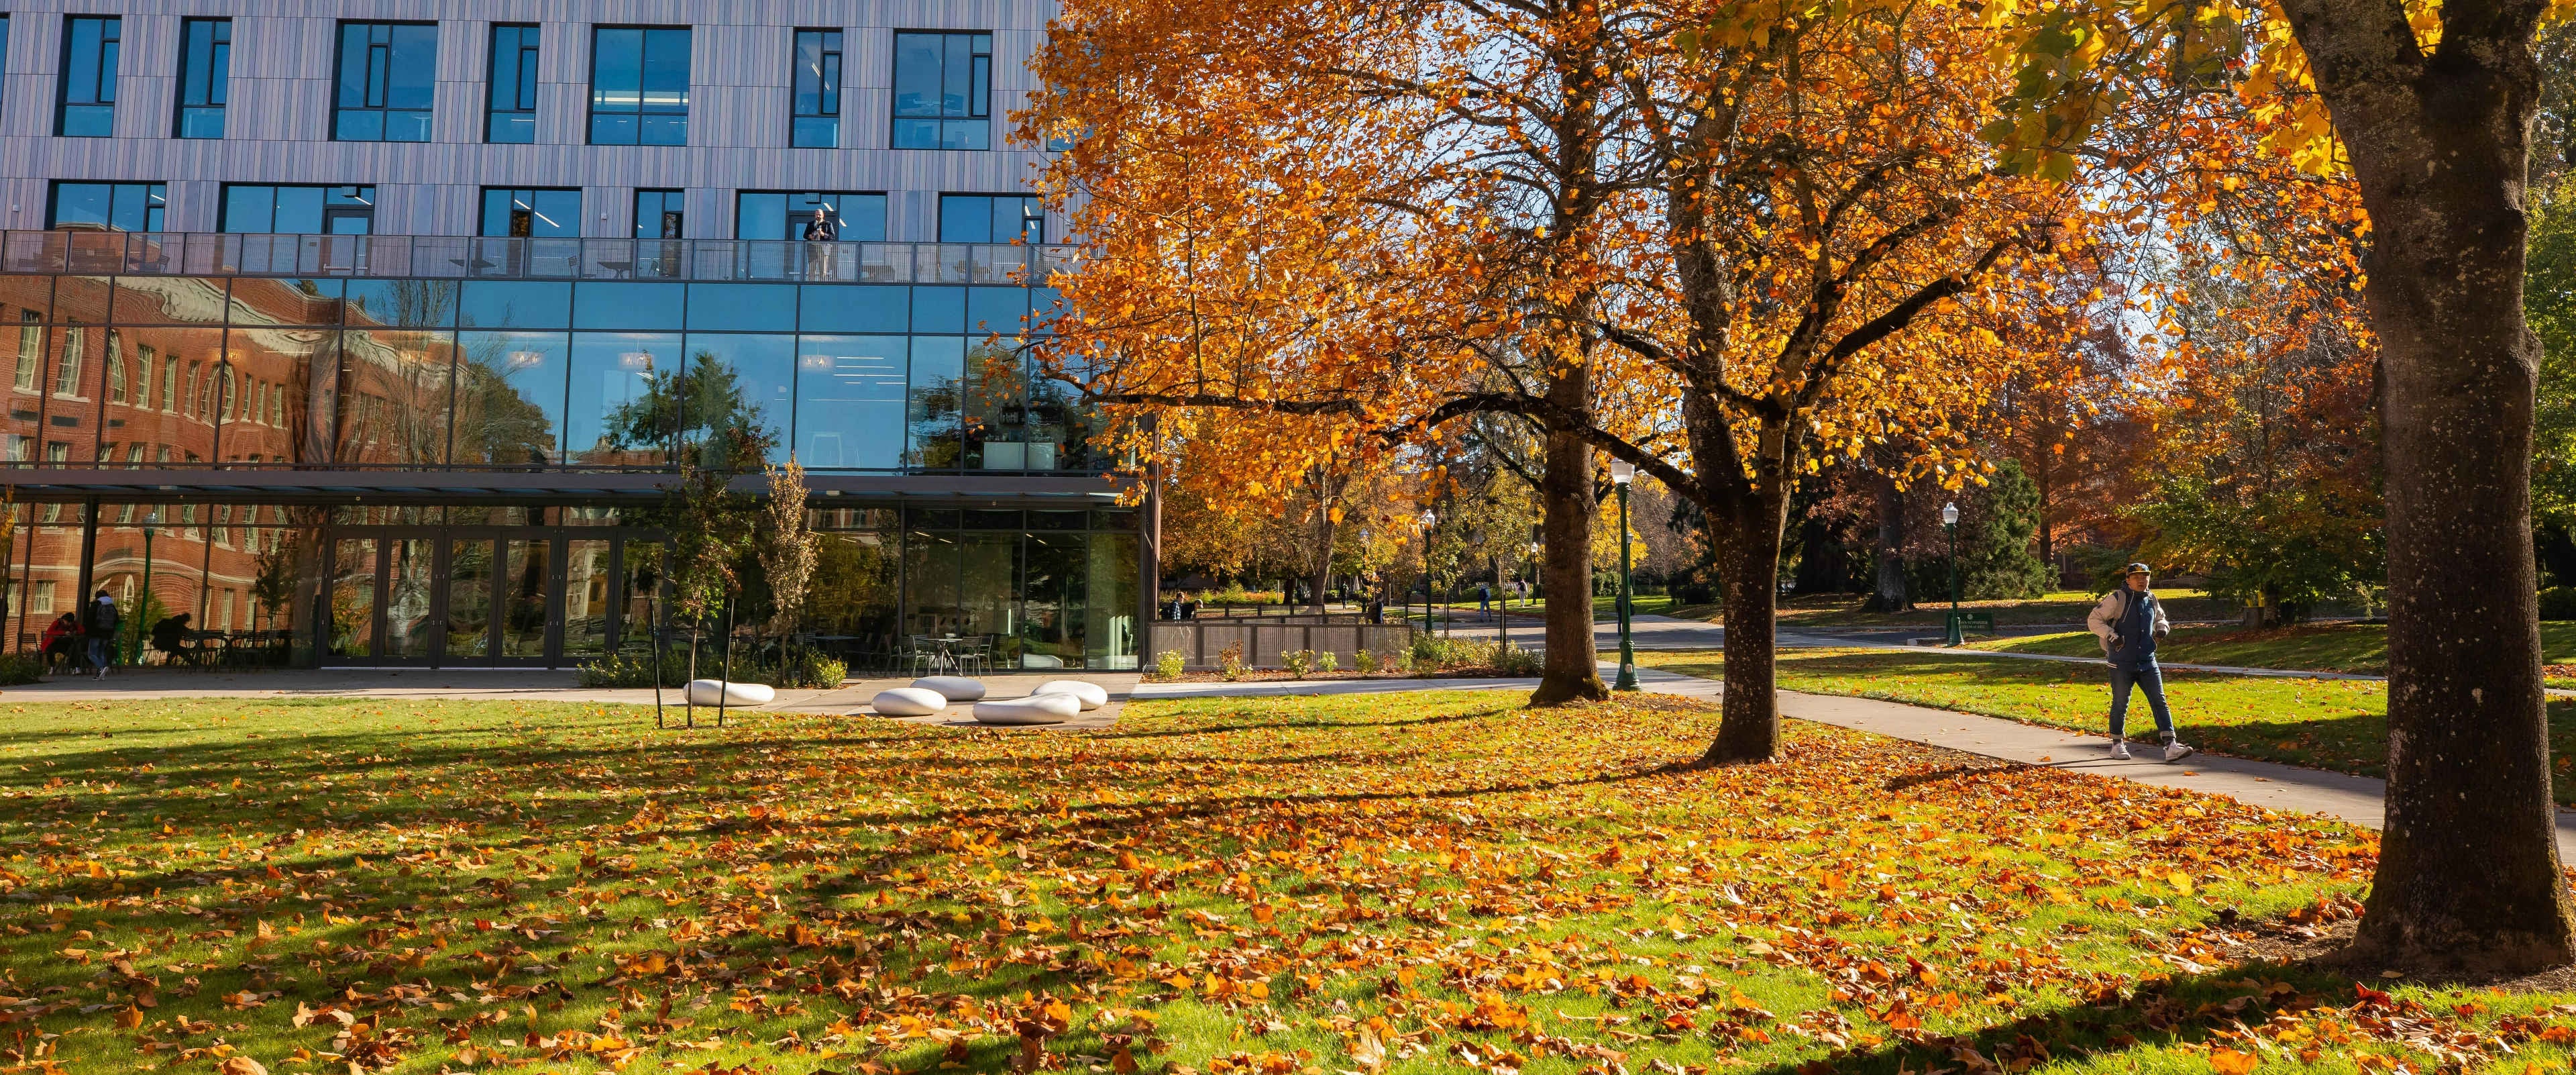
[[388, 73], [523, 212], [661, 214], [113, 206], [299, 210], [4, 33], [205, 76], [639, 86], [511, 111], [943, 91], [772, 214], [991, 218], [87, 108], [817, 120]]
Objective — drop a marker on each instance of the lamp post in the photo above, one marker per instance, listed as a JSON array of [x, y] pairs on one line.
[[1429, 520], [143, 604], [1950, 524], [1621, 473]]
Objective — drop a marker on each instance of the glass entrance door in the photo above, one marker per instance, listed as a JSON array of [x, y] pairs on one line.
[[462, 597]]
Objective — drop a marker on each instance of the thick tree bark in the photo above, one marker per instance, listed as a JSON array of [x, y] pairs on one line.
[[1572, 671], [1892, 594], [2468, 873], [1748, 549]]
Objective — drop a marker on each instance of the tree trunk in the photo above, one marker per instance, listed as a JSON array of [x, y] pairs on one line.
[[2468, 874], [1572, 671], [1748, 549], [1323, 558], [1892, 593], [1820, 557]]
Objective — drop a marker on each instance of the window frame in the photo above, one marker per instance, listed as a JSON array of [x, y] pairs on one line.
[[1027, 203], [362, 193], [635, 209], [643, 49], [832, 60], [979, 91], [152, 189], [214, 83], [524, 78], [483, 196], [840, 218], [385, 110], [102, 74]]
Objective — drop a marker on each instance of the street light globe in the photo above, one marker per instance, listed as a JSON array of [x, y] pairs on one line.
[[1950, 514], [1622, 472], [1429, 519]]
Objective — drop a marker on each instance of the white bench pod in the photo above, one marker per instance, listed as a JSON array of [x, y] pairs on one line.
[[953, 688], [1093, 695], [907, 702], [1035, 709], [708, 691]]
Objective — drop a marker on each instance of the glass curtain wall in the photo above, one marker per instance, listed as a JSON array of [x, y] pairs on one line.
[[320, 372], [233, 572], [1047, 588]]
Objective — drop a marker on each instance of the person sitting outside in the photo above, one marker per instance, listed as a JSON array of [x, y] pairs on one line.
[[170, 635], [60, 636]]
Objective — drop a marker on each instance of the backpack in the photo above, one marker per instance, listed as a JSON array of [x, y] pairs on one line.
[[103, 617]]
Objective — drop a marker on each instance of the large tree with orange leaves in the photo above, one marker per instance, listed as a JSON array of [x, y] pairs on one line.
[[1719, 241]]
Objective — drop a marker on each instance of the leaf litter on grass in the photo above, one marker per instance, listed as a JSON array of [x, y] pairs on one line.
[[1438, 881]]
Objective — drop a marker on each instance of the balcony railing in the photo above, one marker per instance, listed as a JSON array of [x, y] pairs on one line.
[[123, 253]]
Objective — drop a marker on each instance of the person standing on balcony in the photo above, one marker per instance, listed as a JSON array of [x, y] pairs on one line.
[[820, 234]]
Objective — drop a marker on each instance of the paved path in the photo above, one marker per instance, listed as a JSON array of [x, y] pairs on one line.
[[2356, 799]]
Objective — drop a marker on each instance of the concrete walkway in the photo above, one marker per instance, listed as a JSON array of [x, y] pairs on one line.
[[2289, 788]]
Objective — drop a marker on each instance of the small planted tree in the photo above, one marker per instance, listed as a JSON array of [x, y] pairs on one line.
[[711, 527], [787, 556]]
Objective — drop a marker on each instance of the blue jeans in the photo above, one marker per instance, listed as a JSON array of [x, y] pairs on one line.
[[2149, 678], [98, 653]]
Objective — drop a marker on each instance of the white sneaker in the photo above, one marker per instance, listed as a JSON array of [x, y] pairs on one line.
[[2119, 751], [2175, 751]]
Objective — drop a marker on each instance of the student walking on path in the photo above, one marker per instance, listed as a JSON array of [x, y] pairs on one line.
[[2128, 622]]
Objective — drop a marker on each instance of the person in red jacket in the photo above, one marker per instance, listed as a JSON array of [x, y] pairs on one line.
[[59, 636]]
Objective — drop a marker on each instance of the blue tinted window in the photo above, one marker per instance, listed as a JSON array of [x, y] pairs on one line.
[[298, 210], [620, 408], [815, 122], [639, 86], [205, 76], [742, 307], [118, 206], [996, 309], [861, 308], [939, 309], [517, 304], [943, 88], [991, 218], [387, 82], [531, 212], [511, 104], [401, 302], [935, 395], [630, 307], [850, 401], [87, 107], [509, 397], [771, 214], [738, 381]]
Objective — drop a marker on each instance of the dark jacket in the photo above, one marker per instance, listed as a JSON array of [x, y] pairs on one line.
[[822, 231], [103, 619]]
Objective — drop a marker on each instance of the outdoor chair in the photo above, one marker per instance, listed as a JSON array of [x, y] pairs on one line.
[[924, 655]]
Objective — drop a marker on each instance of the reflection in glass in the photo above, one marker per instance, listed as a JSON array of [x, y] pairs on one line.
[[394, 396], [639, 590], [353, 598], [623, 307], [523, 617], [517, 304], [170, 300], [935, 395], [1052, 622], [740, 399], [741, 307], [469, 598], [509, 397], [930, 583], [279, 395], [1109, 609], [611, 417], [854, 589], [150, 418], [426, 303], [408, 630], [586, 597], [850, 401], [987, 577]]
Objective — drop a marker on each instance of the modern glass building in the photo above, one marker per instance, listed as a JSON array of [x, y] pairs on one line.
[[395, 343]]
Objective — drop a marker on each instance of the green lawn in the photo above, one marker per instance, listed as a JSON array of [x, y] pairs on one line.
[[1423, 883], [2322, 647], [2337, 724], [2063, 606]]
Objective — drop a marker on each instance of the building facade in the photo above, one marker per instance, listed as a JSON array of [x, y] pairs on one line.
[[385, 327]]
